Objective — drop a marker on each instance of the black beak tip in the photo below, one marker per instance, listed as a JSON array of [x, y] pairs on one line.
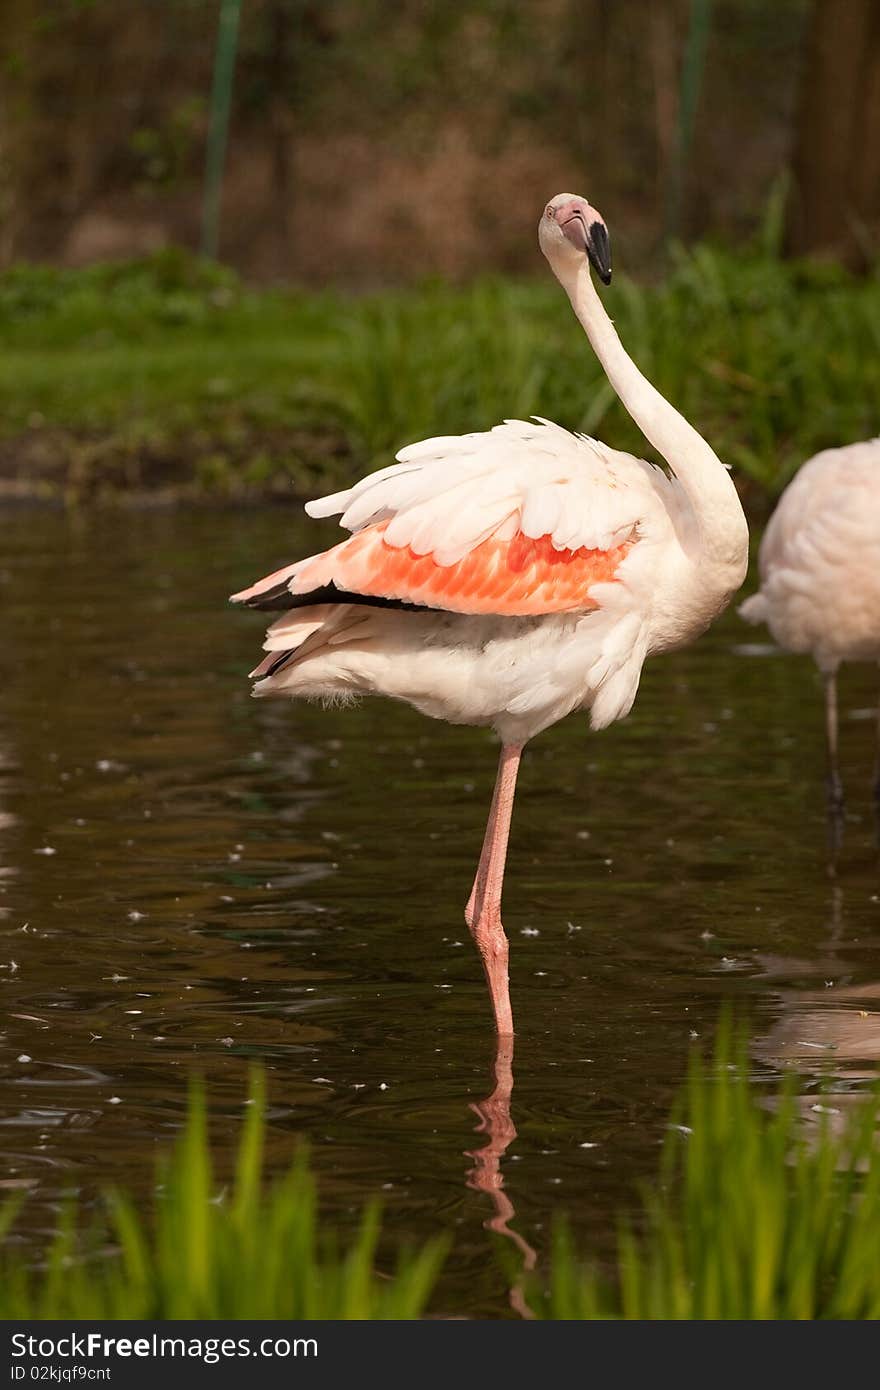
[[599, 251]]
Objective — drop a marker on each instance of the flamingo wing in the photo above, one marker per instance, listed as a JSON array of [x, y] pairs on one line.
[[523, 519]]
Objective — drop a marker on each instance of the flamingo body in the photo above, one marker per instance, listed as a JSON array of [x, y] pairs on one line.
[[537, 569], [510, 577], [819, 567], [819, 560]]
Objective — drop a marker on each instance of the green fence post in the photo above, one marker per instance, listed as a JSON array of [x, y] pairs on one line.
[[692, 68], [218, 129]]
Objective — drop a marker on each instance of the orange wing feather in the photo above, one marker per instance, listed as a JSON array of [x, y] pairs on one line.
[[516, 577]]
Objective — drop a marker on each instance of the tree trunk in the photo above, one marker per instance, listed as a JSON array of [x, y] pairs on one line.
[[835, 204]]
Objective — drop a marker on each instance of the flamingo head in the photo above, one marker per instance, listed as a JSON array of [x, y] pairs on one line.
[[571, 229]]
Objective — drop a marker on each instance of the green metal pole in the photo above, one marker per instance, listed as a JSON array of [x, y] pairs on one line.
[[221, 101], [691, 80]]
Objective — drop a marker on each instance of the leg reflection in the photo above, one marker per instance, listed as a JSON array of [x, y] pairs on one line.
[[486, 1176]]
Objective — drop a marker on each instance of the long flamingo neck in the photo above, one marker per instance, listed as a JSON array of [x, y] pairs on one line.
[[699, 470]]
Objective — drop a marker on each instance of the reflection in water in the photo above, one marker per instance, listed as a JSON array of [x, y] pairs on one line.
[[7, 820], [486, 1176], [836, 822], [830, 1034]]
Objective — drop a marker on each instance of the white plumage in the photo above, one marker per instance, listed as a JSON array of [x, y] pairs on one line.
[[517, 673], [819, 567], [447, 495], [819, 561]]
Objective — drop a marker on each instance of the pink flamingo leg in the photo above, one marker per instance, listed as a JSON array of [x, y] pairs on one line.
[[479, 884], [483, 912]]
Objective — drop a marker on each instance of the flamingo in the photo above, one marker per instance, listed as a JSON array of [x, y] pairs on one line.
[[819, 565], [507, 578]]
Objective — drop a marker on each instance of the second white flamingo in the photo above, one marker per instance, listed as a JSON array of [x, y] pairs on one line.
[[820, 575]]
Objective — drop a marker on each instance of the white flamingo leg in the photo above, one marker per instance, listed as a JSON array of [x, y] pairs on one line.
[[485, 903], [835, 785]]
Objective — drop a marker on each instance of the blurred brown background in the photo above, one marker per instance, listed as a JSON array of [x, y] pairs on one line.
[[371, 141]]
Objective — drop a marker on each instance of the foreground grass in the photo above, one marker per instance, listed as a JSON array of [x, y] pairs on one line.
[[254, 1252], [755, 1215], [168, 371]]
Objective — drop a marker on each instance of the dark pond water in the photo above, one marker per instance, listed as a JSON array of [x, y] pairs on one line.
[[192, 880]]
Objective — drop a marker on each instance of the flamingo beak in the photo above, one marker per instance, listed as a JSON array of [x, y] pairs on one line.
[[599, 251], [585, 229]]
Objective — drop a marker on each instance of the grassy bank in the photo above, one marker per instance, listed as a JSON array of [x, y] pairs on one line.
[[763, 1208], [169, 374]]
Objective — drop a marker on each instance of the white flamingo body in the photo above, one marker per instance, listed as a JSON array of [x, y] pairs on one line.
[[510, 577], [819, 561], [518, 672], [819, 566]]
